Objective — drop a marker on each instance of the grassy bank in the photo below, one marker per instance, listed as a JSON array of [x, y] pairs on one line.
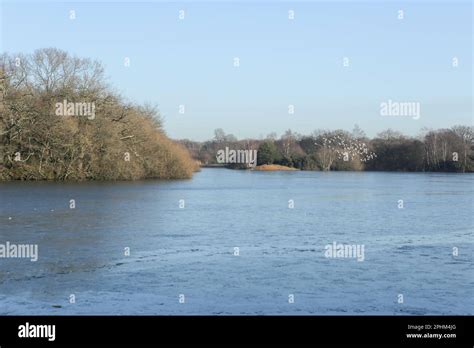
[[273, 167]]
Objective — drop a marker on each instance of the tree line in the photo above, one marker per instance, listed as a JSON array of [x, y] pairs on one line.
[[47, 134], [44, 134], [444, 150]]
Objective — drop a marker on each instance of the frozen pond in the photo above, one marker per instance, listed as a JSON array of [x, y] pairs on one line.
[[239, 242]]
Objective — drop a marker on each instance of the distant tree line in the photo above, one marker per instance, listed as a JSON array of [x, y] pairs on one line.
[[42, 140], [447, 150]]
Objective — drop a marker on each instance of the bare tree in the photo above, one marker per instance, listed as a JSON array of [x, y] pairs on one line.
[[124, 141]]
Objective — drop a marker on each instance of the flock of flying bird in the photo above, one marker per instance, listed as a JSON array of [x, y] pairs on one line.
[[346, 148]]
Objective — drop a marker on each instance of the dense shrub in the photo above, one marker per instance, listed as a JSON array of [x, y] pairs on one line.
[[122, 141]]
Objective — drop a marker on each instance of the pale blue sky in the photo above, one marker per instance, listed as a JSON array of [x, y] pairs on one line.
[[282, 62]]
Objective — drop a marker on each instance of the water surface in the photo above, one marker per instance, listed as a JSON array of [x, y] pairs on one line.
[[190, 250]]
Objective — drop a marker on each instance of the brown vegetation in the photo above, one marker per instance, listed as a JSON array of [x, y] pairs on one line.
[[123, 141], [273, 167]]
